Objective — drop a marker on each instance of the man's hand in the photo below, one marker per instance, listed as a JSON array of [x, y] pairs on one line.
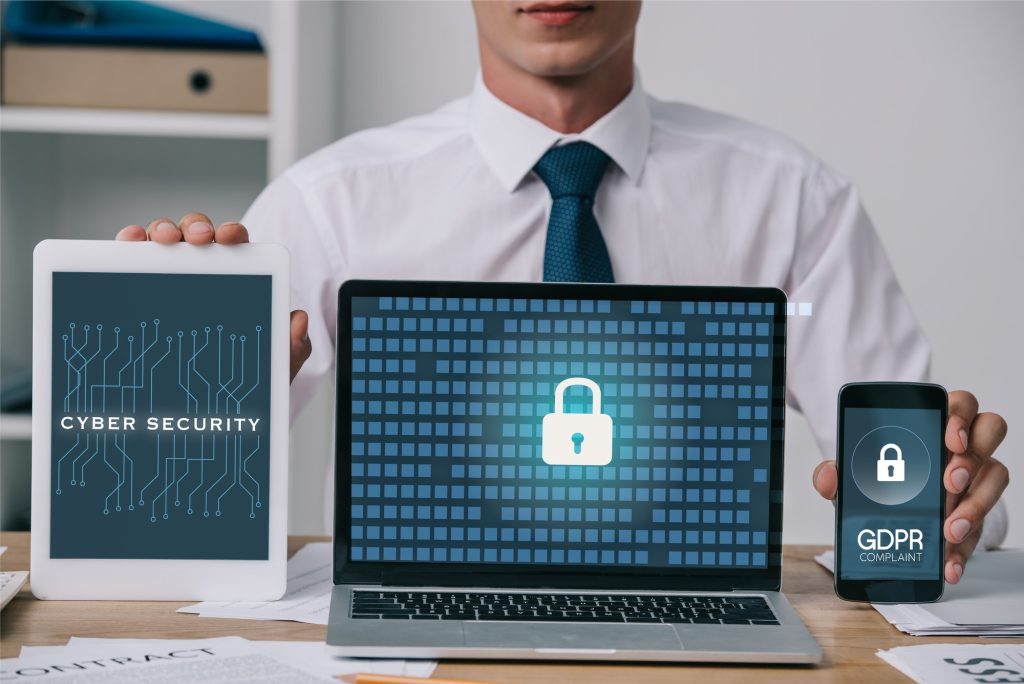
[[974, 479], [197, 229]]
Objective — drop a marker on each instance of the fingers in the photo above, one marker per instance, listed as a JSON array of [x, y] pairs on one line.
[[963, 407], [301, 347], [826, 479], [164, 230], [957, 555], [981, 496], [986, 434], [232, 233], [197, 228], [132, 233]]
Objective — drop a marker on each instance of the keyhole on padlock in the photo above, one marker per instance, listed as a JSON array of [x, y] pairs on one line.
[[577, 442], [892, 471]]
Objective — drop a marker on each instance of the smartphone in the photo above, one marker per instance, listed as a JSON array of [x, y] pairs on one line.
[[890, 504]]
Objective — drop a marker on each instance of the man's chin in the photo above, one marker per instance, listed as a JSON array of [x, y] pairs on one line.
[[560, 62]]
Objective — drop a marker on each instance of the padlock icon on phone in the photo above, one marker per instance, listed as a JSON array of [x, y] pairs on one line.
[[576, 438], [890, 470]]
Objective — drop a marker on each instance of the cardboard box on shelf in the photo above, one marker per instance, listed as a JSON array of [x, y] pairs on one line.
[[135, 78]]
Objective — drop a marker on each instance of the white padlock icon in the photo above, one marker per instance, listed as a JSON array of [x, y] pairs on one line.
[[577, 438], [889, 470]]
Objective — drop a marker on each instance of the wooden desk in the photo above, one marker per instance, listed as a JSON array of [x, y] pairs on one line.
[[849, 633]]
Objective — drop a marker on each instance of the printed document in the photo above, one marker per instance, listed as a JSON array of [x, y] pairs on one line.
[[958, 663]]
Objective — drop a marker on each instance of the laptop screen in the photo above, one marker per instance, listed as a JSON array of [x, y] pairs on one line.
[[569, 426]]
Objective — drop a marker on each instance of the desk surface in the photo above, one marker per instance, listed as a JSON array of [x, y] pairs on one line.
[[848, 633]]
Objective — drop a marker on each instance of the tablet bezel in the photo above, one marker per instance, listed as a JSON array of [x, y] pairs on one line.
[[158, 579]]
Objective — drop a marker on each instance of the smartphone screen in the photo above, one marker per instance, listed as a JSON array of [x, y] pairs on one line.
[[889, 544]]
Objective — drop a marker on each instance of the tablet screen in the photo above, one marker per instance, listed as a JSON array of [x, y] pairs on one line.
[[160, 411]]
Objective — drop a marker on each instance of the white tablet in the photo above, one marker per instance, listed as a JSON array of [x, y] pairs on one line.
[[159, 421]]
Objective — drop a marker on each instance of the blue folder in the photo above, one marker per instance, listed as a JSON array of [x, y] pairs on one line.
[[119, 22]]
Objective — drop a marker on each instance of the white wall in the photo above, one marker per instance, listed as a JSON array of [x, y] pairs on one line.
[[920, 104]]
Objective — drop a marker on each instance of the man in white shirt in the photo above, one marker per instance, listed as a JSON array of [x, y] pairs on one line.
[[483, 189]]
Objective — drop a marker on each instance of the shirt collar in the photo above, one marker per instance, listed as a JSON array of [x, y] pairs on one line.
[[511, 142]]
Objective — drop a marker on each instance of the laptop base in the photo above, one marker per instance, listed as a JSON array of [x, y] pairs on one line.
[[788, 642]]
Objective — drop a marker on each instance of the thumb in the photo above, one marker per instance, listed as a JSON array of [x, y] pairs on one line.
[[299, 326], [300, 345], [826, 479]]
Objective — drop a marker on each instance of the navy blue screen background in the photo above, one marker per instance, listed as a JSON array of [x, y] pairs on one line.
[[160, 345], [448, 395], [922, 512]]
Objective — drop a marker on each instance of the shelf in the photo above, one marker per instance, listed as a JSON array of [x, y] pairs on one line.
[[15, 426], [134, 122]]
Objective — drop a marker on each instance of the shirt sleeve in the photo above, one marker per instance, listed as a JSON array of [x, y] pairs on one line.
[[282, 214], [851, 322]]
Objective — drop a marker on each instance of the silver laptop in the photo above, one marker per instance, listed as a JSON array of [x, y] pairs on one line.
[[561, 471]]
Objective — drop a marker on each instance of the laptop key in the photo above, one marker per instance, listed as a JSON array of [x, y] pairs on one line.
[[577, 618]]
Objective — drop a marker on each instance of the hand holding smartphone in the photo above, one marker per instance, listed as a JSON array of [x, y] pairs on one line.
[[890, 501]]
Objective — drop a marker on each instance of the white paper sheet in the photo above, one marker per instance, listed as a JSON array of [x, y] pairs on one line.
[[213, 661], [958, 663], [3, 549], [988, 601], [313, 657], [77, 646], [991, 593], [307, 598]]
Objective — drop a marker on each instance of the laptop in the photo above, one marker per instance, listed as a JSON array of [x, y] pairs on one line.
[[561, 471]]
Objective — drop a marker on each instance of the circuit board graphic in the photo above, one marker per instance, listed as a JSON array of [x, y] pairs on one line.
[[160, 412]]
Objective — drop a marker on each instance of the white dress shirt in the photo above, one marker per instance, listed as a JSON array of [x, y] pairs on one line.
[[691, 197]]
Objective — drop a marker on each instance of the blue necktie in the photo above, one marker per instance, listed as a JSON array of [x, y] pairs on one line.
[[575, 250]]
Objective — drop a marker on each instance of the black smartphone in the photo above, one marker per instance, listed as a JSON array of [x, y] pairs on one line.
[[890, 504]]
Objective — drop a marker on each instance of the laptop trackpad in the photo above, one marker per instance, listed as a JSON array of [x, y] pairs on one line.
[[579, 636]]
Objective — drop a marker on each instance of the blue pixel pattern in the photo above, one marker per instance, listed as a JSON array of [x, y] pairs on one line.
[[448, 396]]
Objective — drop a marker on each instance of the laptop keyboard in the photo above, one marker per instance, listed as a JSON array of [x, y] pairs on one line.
[[622, 608]]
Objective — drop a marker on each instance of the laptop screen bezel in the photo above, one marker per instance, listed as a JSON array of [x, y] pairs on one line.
[[574, 576]]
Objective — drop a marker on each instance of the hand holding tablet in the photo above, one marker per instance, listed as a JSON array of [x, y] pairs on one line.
[[160, 426], [197, 229]]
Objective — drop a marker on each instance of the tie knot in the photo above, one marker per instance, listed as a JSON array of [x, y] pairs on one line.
[[574, 169]]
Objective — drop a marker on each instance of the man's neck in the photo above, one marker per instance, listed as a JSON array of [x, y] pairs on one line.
[[567, 104]]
